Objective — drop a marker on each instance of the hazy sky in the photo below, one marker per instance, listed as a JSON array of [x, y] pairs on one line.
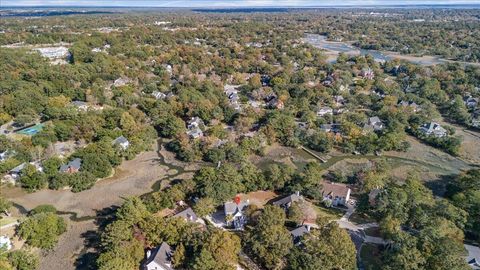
[[223, 3]]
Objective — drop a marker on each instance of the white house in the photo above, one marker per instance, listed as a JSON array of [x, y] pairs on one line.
[[158, 95], [122, 142], [193, 127], [159, 258], [324, 111], [433, 129], [336, 193], [234, 213], [5, 242]]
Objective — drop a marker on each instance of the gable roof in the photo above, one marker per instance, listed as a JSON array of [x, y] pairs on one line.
[[162, 255], [19, 168], [232, 207], [334, 189], [299, 231], [74, 164], [120, 140], [294, 197], [187, 214]]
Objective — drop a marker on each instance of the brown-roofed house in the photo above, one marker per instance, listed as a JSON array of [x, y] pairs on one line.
[[338, 194]]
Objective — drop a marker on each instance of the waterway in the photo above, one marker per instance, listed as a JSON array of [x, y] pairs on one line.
[[320, 41]]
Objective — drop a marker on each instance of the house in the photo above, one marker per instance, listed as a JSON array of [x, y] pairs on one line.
[[188, 215], [122, 142], [16, 172], [6, 154], [374, 123], [273, 102], [335, 128], [72, 166], [476, 119], [298, 232], [409, 104], [158, 95], [329, 80], [324, 111], [473, 257], [80, 105], [234, 213], [159, 258], [336, 193], [470, 102], [5, 242], [287, 201], [121, 82], [433, 129], [193, 127]]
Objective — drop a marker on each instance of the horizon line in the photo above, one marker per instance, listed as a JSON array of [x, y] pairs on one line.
[[241, 7]]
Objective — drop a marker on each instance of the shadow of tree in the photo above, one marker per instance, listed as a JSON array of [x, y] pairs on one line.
[[92, 248]]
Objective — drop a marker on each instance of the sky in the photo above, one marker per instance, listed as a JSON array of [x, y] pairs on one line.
[[223, 3]]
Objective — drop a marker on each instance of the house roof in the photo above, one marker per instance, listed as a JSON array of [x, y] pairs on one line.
[[374, 120], [287, 199], [334, 189], [299, 231], [120, 140], [79, 103], [473, 257], [74, 164], [18, 168], [161, 255], [232, 207], [187, 214]]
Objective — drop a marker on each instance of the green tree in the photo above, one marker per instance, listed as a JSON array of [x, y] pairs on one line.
[[328, 248], [269, 241], [23, 260], [42, 230], [204, 206]]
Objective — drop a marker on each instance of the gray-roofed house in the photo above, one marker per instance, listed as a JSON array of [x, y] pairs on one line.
[[335, 128], [72, 166], [159, 258], [287, 201], [471, 102], [409, 104], [80, 105], [473, 256], [187, 214], [16, 172], [374, 123], [234, 213], [434, 129], [122, 142], [298, 232], [193, 127], [336, 193]]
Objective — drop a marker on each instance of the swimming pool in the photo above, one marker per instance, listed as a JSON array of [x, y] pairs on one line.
[[30, 131]]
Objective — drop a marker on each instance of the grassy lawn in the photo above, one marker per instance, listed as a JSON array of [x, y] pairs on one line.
[[359, 218], [328, 213], [7, 220], [370, 255]]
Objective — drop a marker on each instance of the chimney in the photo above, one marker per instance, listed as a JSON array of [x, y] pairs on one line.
[[148, 254], [297, 193]]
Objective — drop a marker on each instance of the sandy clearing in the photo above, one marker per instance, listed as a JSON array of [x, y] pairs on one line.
[[135, 177]]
